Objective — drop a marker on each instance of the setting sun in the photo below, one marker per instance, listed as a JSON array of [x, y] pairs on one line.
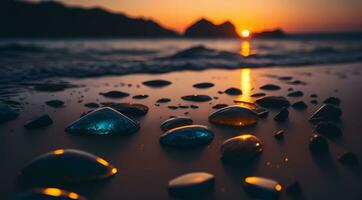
[[245, 33]]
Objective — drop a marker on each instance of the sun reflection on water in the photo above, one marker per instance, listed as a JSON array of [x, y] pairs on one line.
[[245, 48]]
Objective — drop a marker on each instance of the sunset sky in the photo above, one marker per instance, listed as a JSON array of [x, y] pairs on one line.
[[255, 15]]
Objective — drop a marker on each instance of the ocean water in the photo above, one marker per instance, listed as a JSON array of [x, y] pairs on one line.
[[34, 59]]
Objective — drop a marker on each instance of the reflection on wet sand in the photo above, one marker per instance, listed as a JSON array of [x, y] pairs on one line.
[[245, 85]]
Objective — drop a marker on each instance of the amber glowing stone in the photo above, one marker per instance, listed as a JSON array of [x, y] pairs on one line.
[[262, 188], [48, 194], [241, 149], [65, 166], [234, 115]]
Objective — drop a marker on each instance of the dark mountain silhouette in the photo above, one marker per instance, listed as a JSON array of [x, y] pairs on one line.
[[277, 33], [206, 29], [52, 19]]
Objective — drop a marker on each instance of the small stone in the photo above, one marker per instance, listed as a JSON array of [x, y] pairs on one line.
[[140, 96], [203, 85], [156, 83], [187, 136], [241, 149], [318, 144], [194, 106], [315, 102], [175, 122], [296, 94], [55, 103], [273, 102], [48, 194], [114, 94], [294, 188], [328, 129], [218, 106], [129, 109], [103, 121], [263, 114], [332, 100], [258, 95], [7, 113], [234, 115], [270, 87], [39, 122], [197, 98], [279, 135], [191, 184], [282, 115], [173, 107], [91, 105], [233, 91], [163, 100], [285, 78], [65, 166], [300, 105], [313, 95], [326, 112], [262, 188], [349, 158]]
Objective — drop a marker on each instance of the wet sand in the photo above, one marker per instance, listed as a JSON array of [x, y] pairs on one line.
[[145, 167]]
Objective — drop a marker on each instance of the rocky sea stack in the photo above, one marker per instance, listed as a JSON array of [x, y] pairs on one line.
[[206, 29]]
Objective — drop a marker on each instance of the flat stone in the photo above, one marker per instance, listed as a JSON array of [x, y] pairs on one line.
[[187, 136], [258, 94], [114, 94], [315, 102], [203, 85], [48, 194], [349, 158], [191, 184], [332, 100], [140, 96], [129, 109], [326, 112], [233, 91], [219, 106], [39, 122], [55, 103], [76, 166], [328, 129], [175, 122], [234, 115], [7, 113], [197, 98], [163, 100], [285, 78], [318, 144], [262, 188], [296, 94], [279, 135], [313, 95], [194, 106], [173, 107], [263, 114], [103, 121], [241, 149], [270, 87], [156, 83], [91, 105], [282, 116], [299, 105], [273, 102]]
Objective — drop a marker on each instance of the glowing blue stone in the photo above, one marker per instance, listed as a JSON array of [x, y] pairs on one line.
[[103, 121], [187, 136]]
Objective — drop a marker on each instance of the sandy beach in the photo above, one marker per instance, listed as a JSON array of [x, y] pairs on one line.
[[145, 167]]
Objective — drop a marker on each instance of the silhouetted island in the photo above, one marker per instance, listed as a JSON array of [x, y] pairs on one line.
[[53, 19], [277, 33], [206, 29]]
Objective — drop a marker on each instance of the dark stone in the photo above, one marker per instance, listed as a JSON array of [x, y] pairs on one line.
[[270, 87], [315, 102], [285, 78], [203, 85], [7, 113], [326, 112], [233, 91], [282, 115], [173, 107], [175, 122], [91, 105], [328, 129], [197, 98], [318, 144], [48, 194], [141, 96], [194, 106], [39, 122], [187, 136], [129, 109], [55, 103], [300, 105], [263, 114], [65, 166], [313, 95], [114, 94], [218, 106], [273, 102], [206, 29], [296, 94], [279, 135], [163, 100], [332, 100], [349, 158], [258, 95], [294, 189], [156, 83]]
